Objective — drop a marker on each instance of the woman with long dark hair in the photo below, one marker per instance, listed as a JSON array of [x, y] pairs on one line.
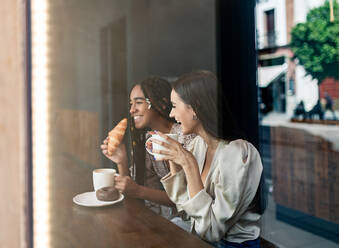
[[216, 180], [149, 110]]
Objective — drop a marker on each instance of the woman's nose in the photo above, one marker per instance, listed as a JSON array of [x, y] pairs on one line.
[[171, 113], [132, 109]]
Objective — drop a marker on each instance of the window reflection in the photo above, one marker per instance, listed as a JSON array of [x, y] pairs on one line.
[[86, 56], [298, 135]]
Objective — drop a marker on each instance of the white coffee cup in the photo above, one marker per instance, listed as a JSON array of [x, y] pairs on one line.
[[103, 177], [158, 147]]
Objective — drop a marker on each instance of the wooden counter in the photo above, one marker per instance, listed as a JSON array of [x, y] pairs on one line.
[[125, 224]]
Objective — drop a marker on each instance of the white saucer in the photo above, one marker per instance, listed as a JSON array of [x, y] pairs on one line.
[[89, 199]]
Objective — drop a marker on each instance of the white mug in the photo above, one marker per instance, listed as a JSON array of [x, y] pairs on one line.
[[158, 147], [103, 177]]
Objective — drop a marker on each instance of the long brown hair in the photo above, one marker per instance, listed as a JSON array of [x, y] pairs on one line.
[[201, 90], [158, 91]]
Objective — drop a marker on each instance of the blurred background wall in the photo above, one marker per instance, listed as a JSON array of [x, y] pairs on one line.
[[98, 50], [13, 156]]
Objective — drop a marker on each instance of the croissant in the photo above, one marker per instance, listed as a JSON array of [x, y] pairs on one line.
[[116, 135]]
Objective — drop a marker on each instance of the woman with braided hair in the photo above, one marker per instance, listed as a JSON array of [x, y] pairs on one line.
[[149, 110]]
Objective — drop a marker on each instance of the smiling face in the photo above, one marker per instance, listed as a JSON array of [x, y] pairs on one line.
[[139, 108], [183, 114]]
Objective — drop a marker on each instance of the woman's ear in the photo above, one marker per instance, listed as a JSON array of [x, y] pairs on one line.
[[192, 112]]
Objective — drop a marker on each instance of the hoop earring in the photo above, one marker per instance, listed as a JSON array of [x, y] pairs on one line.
[[195, 117]]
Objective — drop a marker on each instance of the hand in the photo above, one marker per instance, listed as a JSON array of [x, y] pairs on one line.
[[174, 152], [174, 168], [127, 186], [119, 156]]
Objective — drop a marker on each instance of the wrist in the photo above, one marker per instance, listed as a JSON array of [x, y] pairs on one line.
[[190, 167], [189, 162], [174, 168], [123, 162], [120, 166], [123, 168], [138, 193]]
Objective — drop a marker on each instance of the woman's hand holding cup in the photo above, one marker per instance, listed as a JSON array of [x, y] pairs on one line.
[[127, 186], [167, 148], [153, 148]]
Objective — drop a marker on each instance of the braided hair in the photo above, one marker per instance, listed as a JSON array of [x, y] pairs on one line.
[[157, 91]]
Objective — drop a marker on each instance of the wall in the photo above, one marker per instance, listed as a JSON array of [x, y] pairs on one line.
[[309, 163], [289, 18], [331, 86], [12, 125], [301, 8], [169, 38], [306, 88], [279, 19]]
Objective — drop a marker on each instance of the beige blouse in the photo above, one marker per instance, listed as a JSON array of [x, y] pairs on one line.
[[155, 170], [222, 209]]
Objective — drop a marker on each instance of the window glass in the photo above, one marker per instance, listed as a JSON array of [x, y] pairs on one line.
[[299, 125], [86, 56]]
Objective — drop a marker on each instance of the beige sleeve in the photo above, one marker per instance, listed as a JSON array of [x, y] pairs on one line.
[[176, 188], [234, 188]]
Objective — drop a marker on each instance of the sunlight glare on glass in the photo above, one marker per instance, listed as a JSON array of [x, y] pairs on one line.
[[40, 123]]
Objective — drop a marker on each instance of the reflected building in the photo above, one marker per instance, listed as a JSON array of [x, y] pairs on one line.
[[282, 81]]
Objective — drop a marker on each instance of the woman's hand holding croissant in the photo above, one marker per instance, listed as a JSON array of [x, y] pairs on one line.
[[119, 156]]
